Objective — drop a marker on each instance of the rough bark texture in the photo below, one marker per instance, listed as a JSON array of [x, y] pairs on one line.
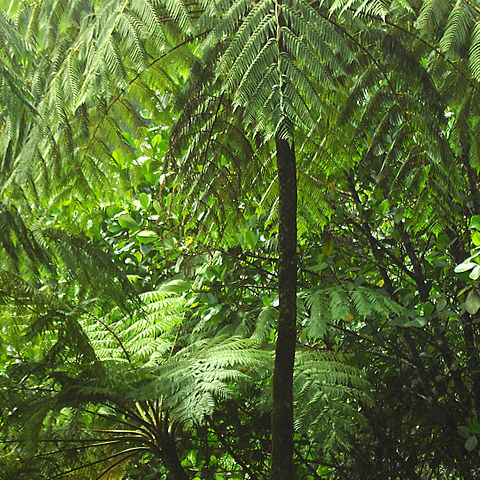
[[282, 413]]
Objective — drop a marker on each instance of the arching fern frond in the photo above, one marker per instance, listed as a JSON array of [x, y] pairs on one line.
[[346, 302]]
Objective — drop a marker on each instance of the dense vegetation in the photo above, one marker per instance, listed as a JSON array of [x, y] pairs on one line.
[[239, 239]]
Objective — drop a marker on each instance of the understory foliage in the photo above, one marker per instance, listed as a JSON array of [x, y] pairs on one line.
[[138, 237]]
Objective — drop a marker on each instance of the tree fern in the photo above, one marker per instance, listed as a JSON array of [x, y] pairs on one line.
[[255, 67], [144, 377], [270, 75]]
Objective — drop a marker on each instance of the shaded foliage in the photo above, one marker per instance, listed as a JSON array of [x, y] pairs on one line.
[[139, 221]]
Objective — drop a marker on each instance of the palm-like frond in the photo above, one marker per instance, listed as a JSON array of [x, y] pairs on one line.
[[346, 302], [83, 96], [278, 61]]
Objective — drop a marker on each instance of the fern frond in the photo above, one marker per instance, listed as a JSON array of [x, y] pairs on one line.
[[326, 391], [432, 14], [474, 54], [340, 303], [459, 23]]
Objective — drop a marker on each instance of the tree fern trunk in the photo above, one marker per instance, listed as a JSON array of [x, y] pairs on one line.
[[282, 413], [167, 451]]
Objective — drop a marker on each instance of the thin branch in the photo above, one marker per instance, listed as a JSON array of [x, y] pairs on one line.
[[128, 450], [116, 419], [114, 465], [309, 465], [76, 448], [230, 450]]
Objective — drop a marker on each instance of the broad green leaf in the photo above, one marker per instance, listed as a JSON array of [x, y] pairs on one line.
[[251, 238], [126, 221], [417, 322], [475, 273], [384, 206], [157, 207], [267, 301], [475, 222], [464, 431], [464, 267], [476, 238], [474, 425], [144, 200], [405, 321], [147, 236], [428, 309], [442, 303], [472, 304], [176, 286], [471, 443]]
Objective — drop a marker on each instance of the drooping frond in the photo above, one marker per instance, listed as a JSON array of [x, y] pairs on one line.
[[46, 254], [97, 64], [278, 61], [213, 157], [145, 337], [454, 29], [328, 391], [191, 380]]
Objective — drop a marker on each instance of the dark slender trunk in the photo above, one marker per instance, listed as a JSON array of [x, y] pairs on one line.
[[167, 452], [282, 412]]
